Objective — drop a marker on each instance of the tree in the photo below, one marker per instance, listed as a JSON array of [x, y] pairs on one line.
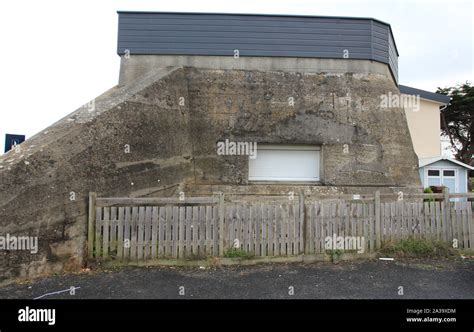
[[457, 121]]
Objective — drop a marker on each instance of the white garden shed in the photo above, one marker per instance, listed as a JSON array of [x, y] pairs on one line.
[[443, 171]]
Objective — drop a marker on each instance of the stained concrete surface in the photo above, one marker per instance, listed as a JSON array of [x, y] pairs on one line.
[[372, 279]]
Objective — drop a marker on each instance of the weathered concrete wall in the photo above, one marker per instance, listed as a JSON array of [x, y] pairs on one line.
[[84, 152], [171, 120], [329, 110], [133, 67]]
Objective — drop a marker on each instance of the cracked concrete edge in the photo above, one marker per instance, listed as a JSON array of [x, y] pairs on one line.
[[103, 103]]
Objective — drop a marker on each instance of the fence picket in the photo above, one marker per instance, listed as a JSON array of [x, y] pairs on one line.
[[208, 234], [147, 233], [126, 232], [299, 244], [133, 233], [181, 232], [113, 229], [264, 230], [316, 224], [98, 232], [360, 221], [175, 225], [238, 226], [288, 232], [459, 225], [438, 220], [187, 222], [120, 231], [421, 220], [258, 229], [426, 220], [251, 221], [371, 226], [194, 231], [310, 229], [432, 220], [465, 222], [202, 231], [470, 224], [161, 231], [105, 232], [141, 232], [168, 233], [366, 221], [443, 223], [154, 231], [215, 228], [279, 224]]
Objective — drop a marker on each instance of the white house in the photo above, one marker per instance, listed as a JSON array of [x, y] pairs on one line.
[[425, 130]]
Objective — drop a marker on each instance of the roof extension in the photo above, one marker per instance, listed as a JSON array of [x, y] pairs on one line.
[[255, 35], [443, 99], [268, 15]]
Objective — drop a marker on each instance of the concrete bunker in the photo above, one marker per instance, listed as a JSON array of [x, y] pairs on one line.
[[156, 133]]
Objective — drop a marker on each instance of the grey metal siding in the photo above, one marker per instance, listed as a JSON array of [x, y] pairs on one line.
[[255, 35], [424, 94], [392, 56]]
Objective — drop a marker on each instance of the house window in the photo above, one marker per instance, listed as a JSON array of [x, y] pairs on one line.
[[448, 173], [433, 177], [291, 163], [433, 172], [442, 177]]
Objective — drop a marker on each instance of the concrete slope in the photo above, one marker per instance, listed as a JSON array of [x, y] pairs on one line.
[[45, 182]]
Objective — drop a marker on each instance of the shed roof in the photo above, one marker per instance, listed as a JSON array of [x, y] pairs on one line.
[[429, 161]]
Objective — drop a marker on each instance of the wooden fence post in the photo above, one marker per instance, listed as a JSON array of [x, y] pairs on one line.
[[305, 223], [221, 224], [377, 219], [91, 225], [447, 214]]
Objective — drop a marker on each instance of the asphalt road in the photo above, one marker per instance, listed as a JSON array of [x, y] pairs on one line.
[[373, 279]]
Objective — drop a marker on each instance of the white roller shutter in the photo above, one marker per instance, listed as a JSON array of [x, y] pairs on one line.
[[285, 163]]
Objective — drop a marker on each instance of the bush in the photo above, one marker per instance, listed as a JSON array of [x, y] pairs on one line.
[[419, 248], [428, 190]]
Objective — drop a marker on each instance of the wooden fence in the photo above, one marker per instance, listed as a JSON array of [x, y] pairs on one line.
[[377, 225], [198, 227]]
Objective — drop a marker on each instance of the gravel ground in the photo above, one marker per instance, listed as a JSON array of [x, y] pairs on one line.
[[370, 279]]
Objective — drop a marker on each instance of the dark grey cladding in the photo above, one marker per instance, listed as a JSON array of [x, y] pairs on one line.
[[424, 94], [257, 35]]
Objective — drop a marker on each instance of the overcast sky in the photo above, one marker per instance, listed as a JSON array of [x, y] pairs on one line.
[[57, 55]]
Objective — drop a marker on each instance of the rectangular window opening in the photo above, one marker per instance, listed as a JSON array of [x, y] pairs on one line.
[[285, 163]]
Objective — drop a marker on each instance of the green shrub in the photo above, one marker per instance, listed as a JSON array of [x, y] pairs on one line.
[[418, 248], [428, 190], [334, 254]]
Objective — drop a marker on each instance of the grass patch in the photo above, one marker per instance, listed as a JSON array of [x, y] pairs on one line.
[[238, 253], [415, 248], [335, 254]]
